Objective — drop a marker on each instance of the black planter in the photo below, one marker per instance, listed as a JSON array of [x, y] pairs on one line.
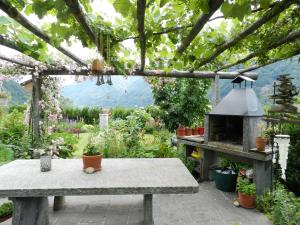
[[225, 180]]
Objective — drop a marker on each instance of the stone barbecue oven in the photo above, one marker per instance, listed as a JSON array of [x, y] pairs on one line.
[[233, 122]]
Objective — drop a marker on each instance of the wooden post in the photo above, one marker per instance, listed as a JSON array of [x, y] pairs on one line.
[[36, 109]]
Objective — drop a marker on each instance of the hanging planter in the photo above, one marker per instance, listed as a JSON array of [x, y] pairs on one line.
[[97, 66]]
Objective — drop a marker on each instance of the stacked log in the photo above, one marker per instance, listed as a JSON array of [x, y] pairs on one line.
[[284, 97]]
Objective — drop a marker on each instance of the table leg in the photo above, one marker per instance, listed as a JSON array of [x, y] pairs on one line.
[[148, 210], [59, 203], [30, 211]]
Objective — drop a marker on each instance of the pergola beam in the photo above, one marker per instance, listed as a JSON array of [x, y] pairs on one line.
[[13, 45], [16, 15], [16, 61], [270, 14], [141, 9], [203, 19], [287, 39], [294, 53], [154, 73], [79, 15]]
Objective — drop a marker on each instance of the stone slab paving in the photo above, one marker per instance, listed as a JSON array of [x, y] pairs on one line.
[[208, 207]]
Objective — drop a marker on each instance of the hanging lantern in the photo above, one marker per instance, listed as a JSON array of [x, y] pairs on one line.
[[98, 83], [97, 66], [108, 81], [102, 80]]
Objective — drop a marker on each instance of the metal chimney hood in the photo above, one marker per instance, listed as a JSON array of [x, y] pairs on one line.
[[239, 102]]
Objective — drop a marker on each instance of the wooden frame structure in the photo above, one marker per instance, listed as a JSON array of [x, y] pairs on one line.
[[76, 10]]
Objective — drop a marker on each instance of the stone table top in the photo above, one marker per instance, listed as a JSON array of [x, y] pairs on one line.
[[23, 178]]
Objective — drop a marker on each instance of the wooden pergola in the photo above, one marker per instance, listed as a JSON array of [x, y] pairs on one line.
[[75, 7]]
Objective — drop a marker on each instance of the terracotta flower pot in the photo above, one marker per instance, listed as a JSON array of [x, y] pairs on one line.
[[201, 130], [188, 131], [195, 131], [180, 131], [92, 161], [261, 143], [246, 201]]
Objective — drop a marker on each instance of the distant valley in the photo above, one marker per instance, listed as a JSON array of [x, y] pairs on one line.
[[136, 92]]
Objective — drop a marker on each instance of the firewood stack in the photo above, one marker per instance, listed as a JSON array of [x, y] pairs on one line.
[[284, 95]]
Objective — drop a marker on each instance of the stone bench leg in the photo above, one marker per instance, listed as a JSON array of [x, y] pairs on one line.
[[30, 211], [148, 210], [59, 203]]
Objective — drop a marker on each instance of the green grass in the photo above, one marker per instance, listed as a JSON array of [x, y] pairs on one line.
[[83, 141]]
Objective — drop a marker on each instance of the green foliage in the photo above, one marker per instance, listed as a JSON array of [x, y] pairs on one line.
[[86, 114], [281, 205], [18, 108], [120, 113], [245, 186], [227, 163], [6, 209], [91, 150], [181, 101], [13, 132], [6, 154], [67, 148], [293, 163]]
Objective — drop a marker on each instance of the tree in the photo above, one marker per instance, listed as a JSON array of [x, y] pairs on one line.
[[182, 101]]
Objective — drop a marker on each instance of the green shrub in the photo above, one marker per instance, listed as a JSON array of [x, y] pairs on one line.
[[19, 108], [69, 143], [6, 154], [293, 163], [6, 209], [87, 115], [120, 113], [264, 203], [154, 111], [286, 208], [13, 132], [282, 206]]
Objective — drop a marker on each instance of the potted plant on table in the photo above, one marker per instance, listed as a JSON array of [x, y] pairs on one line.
[[262, 140], [246, 192], [6, 210], [180, 131], [92, 158], [225, 176]]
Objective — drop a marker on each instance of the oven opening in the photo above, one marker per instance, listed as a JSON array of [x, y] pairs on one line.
[[226, 129]]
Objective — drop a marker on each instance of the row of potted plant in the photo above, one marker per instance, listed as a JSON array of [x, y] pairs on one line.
[[187, 131]]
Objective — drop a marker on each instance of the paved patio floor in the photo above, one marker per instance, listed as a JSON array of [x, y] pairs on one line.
[[208, 207]]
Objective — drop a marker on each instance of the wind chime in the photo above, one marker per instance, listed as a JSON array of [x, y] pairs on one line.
[[98, 64]]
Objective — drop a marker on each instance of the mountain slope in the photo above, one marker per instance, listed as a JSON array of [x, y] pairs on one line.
[[16, 92], [126, 92]]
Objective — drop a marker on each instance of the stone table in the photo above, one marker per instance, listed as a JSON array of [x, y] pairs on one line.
[[28, 188]]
